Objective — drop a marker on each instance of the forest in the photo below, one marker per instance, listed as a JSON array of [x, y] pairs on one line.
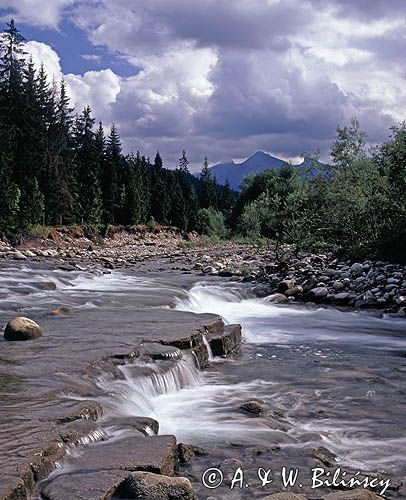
[[58, 167]]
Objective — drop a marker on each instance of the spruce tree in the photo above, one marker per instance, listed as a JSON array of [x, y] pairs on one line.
[[11, 122], [87, 169], [187, 199], [61, 180], [208, 195], [160, 192], [112, 182]]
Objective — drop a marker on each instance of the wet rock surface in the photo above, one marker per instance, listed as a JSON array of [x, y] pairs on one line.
[[21, 328], [146, 486]]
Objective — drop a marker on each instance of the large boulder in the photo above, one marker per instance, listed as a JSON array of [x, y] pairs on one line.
[[146, 485], [21, 328]]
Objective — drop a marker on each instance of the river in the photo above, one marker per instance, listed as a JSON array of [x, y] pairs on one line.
[[329, 378]]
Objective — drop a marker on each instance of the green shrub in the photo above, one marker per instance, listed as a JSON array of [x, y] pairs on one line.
[[211, 222]]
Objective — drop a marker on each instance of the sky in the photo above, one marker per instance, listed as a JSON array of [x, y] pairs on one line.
[[224, 78]]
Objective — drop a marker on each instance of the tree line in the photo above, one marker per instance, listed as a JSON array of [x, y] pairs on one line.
[[57, 167], [356, 206]]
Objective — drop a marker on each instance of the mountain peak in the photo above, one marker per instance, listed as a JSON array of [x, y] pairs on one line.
[[259, 154], [235, 173]]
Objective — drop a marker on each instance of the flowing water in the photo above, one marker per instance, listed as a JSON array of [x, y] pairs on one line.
[[329, 377]]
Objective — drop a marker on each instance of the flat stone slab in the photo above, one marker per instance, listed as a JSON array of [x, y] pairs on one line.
[[102, 467], [156, 454], [84, 485]]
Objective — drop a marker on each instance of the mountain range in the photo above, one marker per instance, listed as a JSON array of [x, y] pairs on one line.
[[258, 162]]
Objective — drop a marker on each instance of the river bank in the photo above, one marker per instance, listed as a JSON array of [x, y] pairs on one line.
[[316, 278]]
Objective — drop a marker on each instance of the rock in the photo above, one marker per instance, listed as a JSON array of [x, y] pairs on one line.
[[156, 351], [19, 255], [338, 285], [21, 328], [341, 298], [186, 452], [277, 298], [227, 273], [357, 268], [62, 311], [331, 272], [228, 342], [28, 253], [285, 496], [285, 285], [145, 425], [157, 454], [254, 407], [146, 485], [309, 284], [357, 494], [45, 285], [228, 467], [325, 456], [210, 270], [296, 290], [262, 290], [85, 485], [318, 293], [67, 267]]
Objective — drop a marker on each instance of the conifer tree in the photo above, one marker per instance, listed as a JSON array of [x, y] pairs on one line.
[[208, 195], [160, 192], [87, 169], [186, 199], [60, 179], [11, 120], [112, 178]]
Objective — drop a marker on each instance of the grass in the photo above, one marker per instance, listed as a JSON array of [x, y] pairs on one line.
[[39, 231], [206, 241]]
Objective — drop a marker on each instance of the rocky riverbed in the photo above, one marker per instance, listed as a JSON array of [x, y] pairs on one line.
[[78, 397], [321, 278]]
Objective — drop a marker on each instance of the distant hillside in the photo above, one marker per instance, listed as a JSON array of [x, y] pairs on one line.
[[237, 172]]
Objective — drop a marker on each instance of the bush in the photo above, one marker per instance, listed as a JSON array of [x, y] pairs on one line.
[[210, 222]]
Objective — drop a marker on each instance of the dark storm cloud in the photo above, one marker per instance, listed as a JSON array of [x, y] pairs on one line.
[[260, 97], [365, 9], [228, 77]]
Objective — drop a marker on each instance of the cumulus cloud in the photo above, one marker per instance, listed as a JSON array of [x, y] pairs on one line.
[[227, 78], [41, 53], [42, 13], [99, 89]]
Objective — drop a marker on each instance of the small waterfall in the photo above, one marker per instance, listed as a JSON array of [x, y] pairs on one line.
[[143, 383], [208, 347]]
